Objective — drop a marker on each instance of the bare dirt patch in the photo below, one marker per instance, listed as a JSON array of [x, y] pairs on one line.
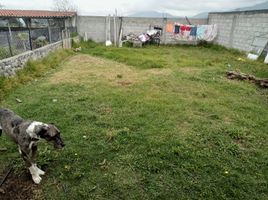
[[19, 187]]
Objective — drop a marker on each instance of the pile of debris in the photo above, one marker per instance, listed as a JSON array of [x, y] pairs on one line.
[[150, 37], [262, 82]]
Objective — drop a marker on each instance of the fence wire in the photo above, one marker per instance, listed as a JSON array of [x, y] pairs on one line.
[[16, 42]]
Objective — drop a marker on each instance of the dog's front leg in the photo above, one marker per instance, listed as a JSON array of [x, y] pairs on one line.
[[33, 159], [30, 162]]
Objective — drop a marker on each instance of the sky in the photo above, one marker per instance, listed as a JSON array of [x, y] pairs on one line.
[[124, 7]]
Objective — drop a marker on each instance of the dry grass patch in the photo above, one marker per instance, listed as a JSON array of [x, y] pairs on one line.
[[85, 68]]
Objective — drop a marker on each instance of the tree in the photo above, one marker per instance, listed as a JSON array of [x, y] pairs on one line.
[[64, 5]]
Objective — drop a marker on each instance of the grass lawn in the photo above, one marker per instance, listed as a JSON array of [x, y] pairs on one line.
[[149, 123]]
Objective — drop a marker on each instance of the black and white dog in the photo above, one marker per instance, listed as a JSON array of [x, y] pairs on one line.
[[26, 134]]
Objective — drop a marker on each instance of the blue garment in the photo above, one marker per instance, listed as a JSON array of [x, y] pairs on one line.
[[177, 29], [201, 31], [193, 30]]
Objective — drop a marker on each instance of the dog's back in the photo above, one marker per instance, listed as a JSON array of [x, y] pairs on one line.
[[8, 120]]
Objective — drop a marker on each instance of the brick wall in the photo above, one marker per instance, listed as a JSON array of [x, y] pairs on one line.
[[9, 66]]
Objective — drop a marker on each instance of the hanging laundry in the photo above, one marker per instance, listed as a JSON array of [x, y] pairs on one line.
[[211, 32], [177, 29], [207, 32], [193, 30], [200, 33], [185, 28], [170, 28], [195, 33]]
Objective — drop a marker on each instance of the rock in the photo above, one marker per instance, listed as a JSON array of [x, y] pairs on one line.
[[2, 191], [18, 100]]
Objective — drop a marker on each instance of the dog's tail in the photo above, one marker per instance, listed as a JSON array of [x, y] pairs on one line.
[[0, 130]]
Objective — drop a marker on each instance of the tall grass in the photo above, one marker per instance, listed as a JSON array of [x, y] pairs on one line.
[[33, 70]]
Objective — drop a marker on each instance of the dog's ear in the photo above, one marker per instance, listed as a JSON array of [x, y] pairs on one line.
[[43, 131]]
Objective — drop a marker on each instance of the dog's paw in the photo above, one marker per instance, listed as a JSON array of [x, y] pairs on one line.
[[40, 171], [36, 179]]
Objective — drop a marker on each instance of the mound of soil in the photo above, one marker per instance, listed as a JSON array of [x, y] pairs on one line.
[[18, 187]]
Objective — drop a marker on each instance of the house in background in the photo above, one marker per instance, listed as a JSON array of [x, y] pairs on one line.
[[23, 30], [19, 19]]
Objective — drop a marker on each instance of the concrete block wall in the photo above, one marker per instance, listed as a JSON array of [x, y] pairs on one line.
[[239, 29], [9, 66], [95, 27]]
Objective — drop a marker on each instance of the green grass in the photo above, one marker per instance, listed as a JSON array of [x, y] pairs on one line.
[[153, 123], [32, 70]]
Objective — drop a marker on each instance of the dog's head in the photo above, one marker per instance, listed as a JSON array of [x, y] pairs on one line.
[[50, 133]]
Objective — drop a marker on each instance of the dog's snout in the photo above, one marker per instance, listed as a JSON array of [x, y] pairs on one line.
[[59, 144]]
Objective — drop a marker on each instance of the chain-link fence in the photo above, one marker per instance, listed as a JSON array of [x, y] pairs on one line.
[[15, 42]]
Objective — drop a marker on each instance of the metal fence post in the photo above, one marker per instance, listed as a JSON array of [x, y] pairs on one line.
[[9, 44]]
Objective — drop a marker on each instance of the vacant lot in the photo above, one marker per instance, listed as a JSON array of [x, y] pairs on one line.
[[151, 123]]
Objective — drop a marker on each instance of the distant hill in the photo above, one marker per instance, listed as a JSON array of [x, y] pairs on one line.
[[202, 15], [260, 6], [151, 14]]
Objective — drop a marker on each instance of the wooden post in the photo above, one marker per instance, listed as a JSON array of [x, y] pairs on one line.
[[63, 40], [49, 35], [106, 28], [120, 32], [9, 44], [165, 30], [29, 31], [10, 33], [69, 40], [115, 28], [109, 28]]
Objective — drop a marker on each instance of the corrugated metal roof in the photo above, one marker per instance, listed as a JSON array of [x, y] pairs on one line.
[[35, 13]]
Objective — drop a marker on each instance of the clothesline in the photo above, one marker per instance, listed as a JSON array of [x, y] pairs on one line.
[[192, 32]]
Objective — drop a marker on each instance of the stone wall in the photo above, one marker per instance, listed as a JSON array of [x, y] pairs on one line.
[[95, 27], [240, 30], [9, 66]]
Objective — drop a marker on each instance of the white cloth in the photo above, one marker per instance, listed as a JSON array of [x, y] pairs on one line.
[[207, 32], [143, 37], [152, 32], [108, 43], [252, 56], [266, 59]]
